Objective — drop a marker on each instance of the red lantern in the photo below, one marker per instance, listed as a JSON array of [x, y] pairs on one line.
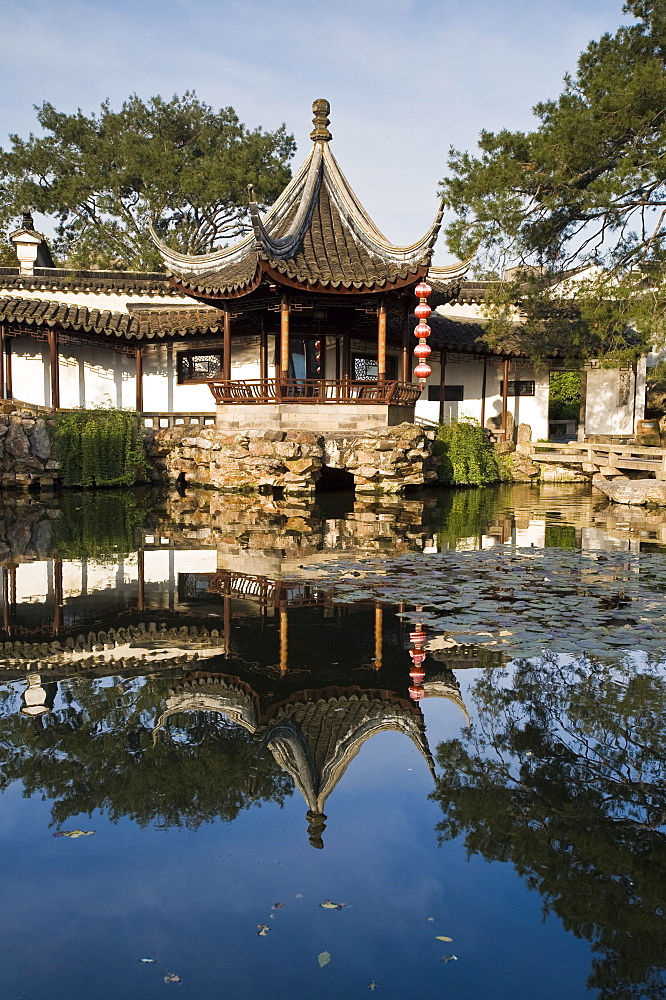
[[422, 290], [416, 692], [422, 311], [422, 331], [317, 344], [422, 371], [422, 351]]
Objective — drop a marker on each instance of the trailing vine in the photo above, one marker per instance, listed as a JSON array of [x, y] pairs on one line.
[[466, 456], [98, 447]]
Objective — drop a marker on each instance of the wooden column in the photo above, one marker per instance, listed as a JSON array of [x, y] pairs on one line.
[[405, 374], [263, 352], [2, 361], [226, 346], [284, 639], [505, 393], [226, 612], [9, 392], [338, 358], [6, 620], [138, 358], [57, 595], [379, 636], [381, 342], [284, 337], [442, 385], [55, 372], [141, 581], [483, 392]]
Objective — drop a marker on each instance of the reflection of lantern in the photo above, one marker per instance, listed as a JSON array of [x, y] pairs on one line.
[[37, 699], [417, 637], [422, 351]]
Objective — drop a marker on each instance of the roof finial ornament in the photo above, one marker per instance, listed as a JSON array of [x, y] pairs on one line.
[[321, 110]]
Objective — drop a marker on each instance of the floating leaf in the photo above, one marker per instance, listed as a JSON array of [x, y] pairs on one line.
[[328, 905], [171, 977], [449, 958], [373, 985], [323, 958], [442, 938], [278, 906], [262, 930], [148, 961], [74, 833]]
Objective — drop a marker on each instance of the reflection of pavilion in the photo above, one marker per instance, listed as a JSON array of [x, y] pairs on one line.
[[313, 734]]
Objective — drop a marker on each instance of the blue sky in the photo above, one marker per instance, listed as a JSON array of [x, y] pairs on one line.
[[406, 78]]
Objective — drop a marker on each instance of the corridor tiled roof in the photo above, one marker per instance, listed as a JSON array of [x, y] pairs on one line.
[[59, 279], [33, 313]]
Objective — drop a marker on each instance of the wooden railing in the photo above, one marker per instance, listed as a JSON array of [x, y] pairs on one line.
[[271, 390], [604, 456]]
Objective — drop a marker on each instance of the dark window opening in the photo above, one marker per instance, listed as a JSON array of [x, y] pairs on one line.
[[198, 366], [365, 368], [517, 388], [452, 393]]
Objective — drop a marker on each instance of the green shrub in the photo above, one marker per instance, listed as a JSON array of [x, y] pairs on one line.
[[466, 457], [98, 447]]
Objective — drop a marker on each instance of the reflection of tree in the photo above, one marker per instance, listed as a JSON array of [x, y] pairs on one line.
[[97, 752], [465, 514], [563, 777]]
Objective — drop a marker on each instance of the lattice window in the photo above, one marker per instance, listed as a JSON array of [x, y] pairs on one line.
[[198, 366], [452, 393], [518, 387], [364, 368]]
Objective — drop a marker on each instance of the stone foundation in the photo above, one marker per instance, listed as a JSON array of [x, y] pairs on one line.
[[326, 419], [26, 449], [382, 459]]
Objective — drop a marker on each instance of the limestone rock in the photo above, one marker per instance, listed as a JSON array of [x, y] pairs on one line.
[[632, 491], [16, 442]]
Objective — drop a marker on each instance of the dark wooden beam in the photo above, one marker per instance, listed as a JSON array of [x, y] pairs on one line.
[[381, 341], [138, 357], [284, 337], [55, 370], [505, 393], [442, 385], [9, 392], [483, 392], [226, 346], [405, 374]]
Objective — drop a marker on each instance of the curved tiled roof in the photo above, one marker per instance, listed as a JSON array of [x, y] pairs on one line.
[[316, 235]]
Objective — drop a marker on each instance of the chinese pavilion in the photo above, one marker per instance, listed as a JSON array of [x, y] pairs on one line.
[[316, 305]]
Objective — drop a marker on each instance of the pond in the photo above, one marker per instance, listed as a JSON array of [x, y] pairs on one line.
[[256, 748]]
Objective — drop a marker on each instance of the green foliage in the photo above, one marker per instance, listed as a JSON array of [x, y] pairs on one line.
[[99, 525], [104, 177], [466, 457], [98, 447], [563, 777], [582, 194], [564, 398]]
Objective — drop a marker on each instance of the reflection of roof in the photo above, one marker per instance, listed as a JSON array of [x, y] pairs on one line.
[[313, 735], [316, 235]]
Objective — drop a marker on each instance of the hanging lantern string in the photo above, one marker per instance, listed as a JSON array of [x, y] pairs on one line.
[[418, 639], [422, 332]]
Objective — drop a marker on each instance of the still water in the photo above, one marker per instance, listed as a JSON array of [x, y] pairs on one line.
[[217, 779]]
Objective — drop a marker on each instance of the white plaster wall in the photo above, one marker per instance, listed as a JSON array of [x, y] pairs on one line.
[[195, 561], [161, 392], [113, 301], [33, 582], [93, 376], [603, 414], [532, 410], [30, 371]]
